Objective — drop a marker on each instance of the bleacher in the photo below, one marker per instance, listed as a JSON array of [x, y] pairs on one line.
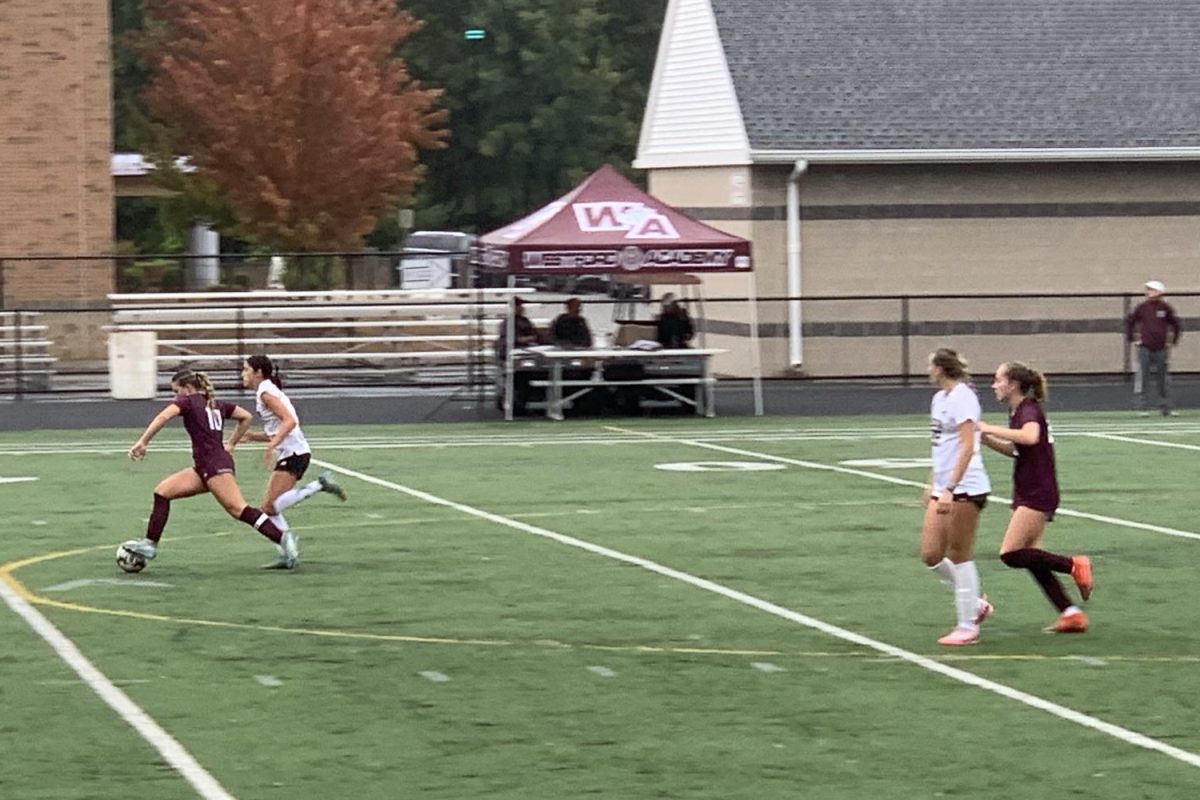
[[392, 331], [25, 360]]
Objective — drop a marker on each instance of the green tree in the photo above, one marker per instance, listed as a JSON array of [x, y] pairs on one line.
[[554, 90]]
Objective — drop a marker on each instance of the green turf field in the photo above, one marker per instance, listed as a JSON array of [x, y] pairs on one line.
[[536, 610]]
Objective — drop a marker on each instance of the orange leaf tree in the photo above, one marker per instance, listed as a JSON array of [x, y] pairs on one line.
[[299, 111]]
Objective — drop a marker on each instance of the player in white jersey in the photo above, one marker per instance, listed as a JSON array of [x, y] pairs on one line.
[[287, 454], [957, 492]]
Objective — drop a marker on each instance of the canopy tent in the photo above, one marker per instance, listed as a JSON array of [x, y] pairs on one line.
[[607, 225]]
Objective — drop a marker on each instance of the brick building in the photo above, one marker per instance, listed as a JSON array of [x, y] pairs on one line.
[[56, 187]]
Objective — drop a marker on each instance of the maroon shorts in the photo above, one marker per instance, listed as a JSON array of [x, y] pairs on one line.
[[213, 465]]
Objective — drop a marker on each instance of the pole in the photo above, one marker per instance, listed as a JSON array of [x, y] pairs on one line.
[[18, 372], [510, 338], [756, 347], [904, 340], [1126, 366]]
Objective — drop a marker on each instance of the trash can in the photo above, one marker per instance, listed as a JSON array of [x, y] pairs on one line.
[[132, 365]]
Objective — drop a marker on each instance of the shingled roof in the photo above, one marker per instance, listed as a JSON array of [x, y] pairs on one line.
[[958, 74]]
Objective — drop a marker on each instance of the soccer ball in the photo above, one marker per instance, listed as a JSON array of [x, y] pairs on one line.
[[129, 560]]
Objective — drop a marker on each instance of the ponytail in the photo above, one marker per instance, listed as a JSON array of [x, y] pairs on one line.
[[263, 365], [1031, 382], [198, 381]]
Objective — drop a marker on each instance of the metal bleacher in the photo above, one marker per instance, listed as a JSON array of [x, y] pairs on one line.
[[25, 360], [439, 336]]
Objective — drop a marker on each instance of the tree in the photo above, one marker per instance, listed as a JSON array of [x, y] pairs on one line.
[[554, 90], [297, 111]]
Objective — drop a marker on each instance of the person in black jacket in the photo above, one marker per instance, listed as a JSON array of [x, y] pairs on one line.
[[675, 327], [570, 329], [1154, 330]]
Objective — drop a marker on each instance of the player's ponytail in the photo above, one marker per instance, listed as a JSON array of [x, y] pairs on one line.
[[198, 381], [953, 365], [265, 367], [1031, 382]]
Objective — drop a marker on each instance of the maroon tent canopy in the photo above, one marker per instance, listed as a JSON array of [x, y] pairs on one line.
[[609, 225]]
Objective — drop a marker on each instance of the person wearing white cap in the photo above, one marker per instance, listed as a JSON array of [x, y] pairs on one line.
[[1154, 329]]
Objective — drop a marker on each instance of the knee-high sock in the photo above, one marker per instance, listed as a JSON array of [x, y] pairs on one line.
[[258, 520], [1032, 557], [966, 593], [158, 518], [946, 573], [280, 522], [293, 496], [1042, 565]]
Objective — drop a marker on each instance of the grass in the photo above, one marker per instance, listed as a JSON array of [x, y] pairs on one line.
[[425, 651]]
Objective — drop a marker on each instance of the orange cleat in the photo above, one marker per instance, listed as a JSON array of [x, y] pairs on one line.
[[1075, 622], [1081, 571], [984, 609], [960, 636]]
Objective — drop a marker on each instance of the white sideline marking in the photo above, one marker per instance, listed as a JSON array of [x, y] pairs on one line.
[[270, 681], [16, 480], [171, 751], [603, 672], [962, 676], [1065, 512], [1112, 437]]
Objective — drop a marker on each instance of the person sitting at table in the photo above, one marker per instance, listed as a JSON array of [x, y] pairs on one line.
[[675, 329], [570, 329], [525, 333]]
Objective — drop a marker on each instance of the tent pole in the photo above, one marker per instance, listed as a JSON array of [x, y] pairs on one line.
[[703, 316], [510, 337], [755, 347]]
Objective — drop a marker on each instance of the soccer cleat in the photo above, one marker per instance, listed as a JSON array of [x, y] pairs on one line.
[[328, 484], [1075, 622], [984, 610], [1081, 571], [960, 636], [143, 547], [291, 550]]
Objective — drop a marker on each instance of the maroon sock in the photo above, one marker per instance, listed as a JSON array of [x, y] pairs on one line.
[[1032, 558], [158, 517], [1053, 589], [256, 519]]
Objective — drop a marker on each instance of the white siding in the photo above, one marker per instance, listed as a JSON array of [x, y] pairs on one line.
[[692, 115]]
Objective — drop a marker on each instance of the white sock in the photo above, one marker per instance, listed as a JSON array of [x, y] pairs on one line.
[[1071, 610], [293, 496], [966, 593], [280, 523], [946, 573]]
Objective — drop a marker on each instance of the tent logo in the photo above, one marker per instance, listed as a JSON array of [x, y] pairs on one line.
[[638, 220]]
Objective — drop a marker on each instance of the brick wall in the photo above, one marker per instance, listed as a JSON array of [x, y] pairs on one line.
[[56, 190]]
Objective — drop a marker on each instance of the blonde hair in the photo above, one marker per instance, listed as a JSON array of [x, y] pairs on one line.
[[1031, 382], [198, 381], [953, 365]]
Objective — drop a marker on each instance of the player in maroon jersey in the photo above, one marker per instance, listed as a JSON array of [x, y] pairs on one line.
[[1028, 440], [212, 464]]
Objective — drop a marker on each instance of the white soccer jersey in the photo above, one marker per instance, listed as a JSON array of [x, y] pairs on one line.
[[294, 444], [947, 411]]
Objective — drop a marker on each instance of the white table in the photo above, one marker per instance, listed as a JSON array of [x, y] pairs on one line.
[[557, 359]]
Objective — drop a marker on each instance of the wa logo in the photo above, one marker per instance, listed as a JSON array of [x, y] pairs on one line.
[[638, 220]]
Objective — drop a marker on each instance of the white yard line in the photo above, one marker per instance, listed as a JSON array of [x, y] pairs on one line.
[[962, 676], [1065, 512], [171, 751], [1112, 437]]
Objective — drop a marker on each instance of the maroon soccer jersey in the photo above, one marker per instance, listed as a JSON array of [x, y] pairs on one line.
[[205, 427], [1034, 481]]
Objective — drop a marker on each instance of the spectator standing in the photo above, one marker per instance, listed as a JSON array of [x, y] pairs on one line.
[[1154, 329], [570, 329], [675, 327]]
